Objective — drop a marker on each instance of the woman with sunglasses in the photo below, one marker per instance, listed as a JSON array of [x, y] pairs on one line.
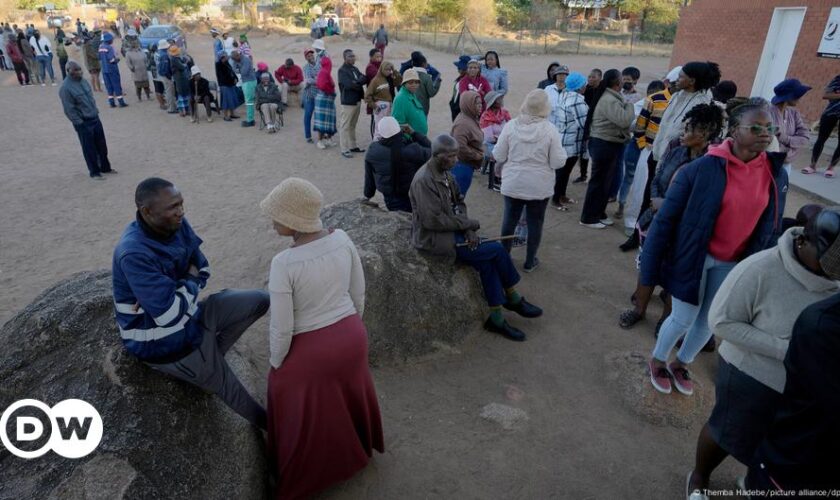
[[720, 209]]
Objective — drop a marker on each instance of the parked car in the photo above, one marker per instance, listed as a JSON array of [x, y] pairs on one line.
[[154, 34]]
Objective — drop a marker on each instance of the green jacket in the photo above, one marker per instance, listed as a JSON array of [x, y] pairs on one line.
[[427, 90], [408, 110]]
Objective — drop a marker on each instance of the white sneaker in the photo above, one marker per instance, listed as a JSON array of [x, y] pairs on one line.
[[331, 142], [53, 84], [43, 84], [596, 225], [320, 145], [607, 222]]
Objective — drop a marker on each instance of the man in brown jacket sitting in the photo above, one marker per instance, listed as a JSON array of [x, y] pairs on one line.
[[440, 226]]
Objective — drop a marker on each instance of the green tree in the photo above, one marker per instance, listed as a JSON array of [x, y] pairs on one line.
[[655, 11], [35, 4], [410, 10], [169, 6], [446, 10], [513, 12]]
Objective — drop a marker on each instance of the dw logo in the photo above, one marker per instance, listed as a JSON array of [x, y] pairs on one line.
[[30, 428]]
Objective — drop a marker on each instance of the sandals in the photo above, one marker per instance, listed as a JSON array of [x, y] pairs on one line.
[[808, 170], [829, 174], [628, 318]]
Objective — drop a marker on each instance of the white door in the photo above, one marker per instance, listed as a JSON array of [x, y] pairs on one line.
[[778, 50]]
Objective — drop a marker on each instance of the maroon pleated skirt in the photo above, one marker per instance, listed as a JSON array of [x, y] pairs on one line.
[[323, 415]]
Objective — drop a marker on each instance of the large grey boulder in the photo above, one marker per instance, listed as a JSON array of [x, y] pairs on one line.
[[415, 304], [162, 438]]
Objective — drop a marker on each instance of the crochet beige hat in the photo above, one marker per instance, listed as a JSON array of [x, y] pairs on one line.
[[536, 104], [410, 75], [295, 203]]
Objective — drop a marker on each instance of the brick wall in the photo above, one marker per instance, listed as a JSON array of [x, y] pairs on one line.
[[732, 33]]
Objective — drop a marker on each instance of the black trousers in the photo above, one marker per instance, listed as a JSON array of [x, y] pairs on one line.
[[827, 124], [22, 73], [95, 150], [561, 179], [604, 156], [651, 165]]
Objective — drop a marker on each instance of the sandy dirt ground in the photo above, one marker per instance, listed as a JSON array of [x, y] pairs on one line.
[[578, 419]]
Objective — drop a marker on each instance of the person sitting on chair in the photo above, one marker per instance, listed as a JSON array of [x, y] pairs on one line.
[[268, 100], [200, 94], [440, 226]]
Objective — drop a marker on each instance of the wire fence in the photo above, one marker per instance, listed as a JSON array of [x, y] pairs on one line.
[[569, 38]]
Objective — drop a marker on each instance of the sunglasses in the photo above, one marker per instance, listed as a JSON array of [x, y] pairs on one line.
[[756, 129]]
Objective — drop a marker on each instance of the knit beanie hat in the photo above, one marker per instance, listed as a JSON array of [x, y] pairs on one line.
[[388, 127], [536, 104], [575, 82], [295, 203]]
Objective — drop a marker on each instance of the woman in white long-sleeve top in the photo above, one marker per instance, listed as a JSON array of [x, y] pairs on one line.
[[323, 415], [753, 313]]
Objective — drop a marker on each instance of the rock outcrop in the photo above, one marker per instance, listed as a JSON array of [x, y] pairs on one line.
[[162, 438], [415, 304]]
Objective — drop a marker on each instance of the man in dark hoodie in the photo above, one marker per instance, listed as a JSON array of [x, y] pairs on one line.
[[392, 161]]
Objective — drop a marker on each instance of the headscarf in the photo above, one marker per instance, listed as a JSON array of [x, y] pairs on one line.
[[325, 81], [390, 79], [262, 66], [494, 117]]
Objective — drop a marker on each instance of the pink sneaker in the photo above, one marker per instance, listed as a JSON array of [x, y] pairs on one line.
[[682, 379], [660, 378]]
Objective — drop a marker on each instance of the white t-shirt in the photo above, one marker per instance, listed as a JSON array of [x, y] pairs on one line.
[[313, 286]]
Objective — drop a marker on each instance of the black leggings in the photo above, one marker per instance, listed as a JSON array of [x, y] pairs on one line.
[[561, 179], [827, 124]]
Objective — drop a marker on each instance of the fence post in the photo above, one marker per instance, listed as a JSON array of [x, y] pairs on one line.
[[632, 34], [434, 40], [580, 35], [545, 42]]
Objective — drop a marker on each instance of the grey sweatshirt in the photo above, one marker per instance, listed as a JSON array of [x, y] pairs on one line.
[[757, 305]]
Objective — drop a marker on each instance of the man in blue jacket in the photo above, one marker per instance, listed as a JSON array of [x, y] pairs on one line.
[[158, 273], [111, 71]]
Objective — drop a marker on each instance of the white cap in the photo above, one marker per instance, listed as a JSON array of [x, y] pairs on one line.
[[163, 44], [674, 74], [318, 45], [388, 127], [195, 70]]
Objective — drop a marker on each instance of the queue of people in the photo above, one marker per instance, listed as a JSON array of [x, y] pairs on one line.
[[709, 228]]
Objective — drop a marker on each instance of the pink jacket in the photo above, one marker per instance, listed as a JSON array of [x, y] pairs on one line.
[[792, 134]]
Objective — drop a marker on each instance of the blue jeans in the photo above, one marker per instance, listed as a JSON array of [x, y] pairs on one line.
[[308, 111], [45, 65], [463, 174], [618, 176], [534, 215], [494, 267], [689, 320], [631, 158]]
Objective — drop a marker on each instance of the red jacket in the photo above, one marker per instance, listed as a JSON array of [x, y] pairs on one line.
[[293, 75], [13, 52]]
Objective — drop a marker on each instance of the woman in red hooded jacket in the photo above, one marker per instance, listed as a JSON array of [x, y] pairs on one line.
[[325, 105], [14, 54]]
